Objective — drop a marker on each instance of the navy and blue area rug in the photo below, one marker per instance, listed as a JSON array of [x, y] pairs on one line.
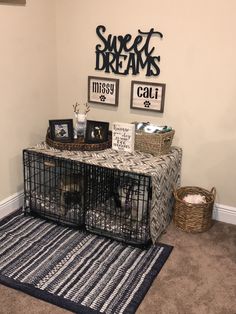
[[79, 271]]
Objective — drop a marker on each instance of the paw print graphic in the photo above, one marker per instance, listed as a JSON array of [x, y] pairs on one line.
[[102, 98], [147, 104]]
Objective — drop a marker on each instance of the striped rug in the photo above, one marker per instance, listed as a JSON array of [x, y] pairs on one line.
[[76, 270]]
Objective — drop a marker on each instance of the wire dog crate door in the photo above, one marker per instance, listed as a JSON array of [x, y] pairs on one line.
[[120, 204], [54, 188]]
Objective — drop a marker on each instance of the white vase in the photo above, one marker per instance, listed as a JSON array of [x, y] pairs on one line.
[[80, 124]]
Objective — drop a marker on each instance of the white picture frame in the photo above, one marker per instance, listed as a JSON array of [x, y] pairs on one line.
[[123, 136]]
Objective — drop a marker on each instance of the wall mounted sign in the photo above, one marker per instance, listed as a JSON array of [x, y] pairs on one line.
[[123, 136], [126, 55], [103, 90], [147, 96]]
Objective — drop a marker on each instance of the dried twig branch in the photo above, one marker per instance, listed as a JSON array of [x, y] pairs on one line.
[[76, 109], [87, 108]]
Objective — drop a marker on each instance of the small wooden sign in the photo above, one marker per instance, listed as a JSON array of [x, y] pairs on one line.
[[147, 96], [103, 90], [123, 136]]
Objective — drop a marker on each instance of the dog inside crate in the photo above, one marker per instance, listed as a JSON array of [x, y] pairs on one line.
[[72, 192], [131, 197], [55, 189], [121, 206]]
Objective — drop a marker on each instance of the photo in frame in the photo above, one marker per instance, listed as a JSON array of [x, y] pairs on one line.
[[147, 96], [103, 90], [96, 132], [61, 130]]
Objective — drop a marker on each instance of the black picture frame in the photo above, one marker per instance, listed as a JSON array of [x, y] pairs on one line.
[[102, 90], [96, 132], [147, 96], [61, 130]]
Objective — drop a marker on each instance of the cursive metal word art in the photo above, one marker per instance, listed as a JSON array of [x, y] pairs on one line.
[[122, 55]]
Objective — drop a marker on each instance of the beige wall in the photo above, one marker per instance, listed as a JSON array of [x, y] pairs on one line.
[[198, 65], [44, 68], [27, 84]]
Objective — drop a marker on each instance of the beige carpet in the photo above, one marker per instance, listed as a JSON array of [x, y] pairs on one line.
[[198, 278]]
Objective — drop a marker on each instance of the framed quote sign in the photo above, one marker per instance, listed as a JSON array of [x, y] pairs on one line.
[[103, 90], [147, 96], [123, 136]]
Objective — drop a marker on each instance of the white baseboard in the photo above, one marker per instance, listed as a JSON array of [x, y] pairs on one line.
[[224, 213], [221, 212], [10, 204]]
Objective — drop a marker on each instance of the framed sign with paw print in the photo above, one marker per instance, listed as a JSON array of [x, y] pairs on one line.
[[103, 90], [147, 96]]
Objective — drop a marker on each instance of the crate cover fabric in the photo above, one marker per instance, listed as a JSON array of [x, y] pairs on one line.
[[164, 172]]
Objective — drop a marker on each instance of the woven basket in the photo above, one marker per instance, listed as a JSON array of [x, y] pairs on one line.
[[193, 217], [154, 143]]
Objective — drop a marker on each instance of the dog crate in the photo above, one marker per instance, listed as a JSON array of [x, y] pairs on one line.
[[105, 201], [118, 204], [54, 188]]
